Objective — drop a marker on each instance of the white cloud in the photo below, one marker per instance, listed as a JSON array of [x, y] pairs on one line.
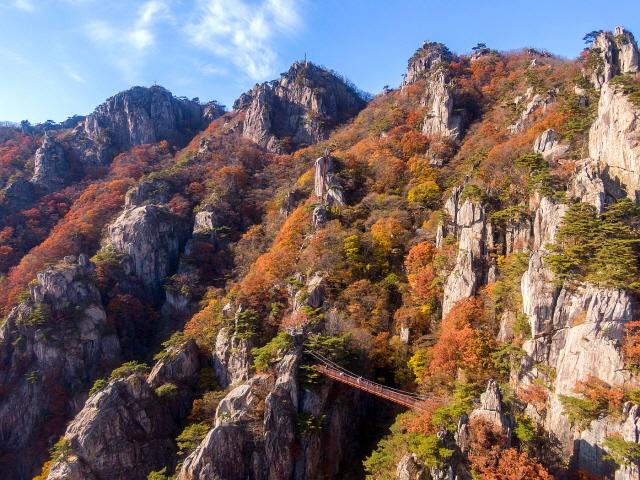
[[73, 74], [212, 70], [128, 44], [24, 5], [243, 32]]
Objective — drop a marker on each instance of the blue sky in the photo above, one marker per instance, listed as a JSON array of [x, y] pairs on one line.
[[60, 57]]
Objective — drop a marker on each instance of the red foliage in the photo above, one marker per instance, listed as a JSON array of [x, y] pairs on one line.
[[457, 345], [631, 344], [78, 232]]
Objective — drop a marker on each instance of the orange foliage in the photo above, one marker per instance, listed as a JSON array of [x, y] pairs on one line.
[[631, 344], [420, 422], [600, 392], [272, 267], [514, 465], [456, 347], [535, 395], [78, 232]]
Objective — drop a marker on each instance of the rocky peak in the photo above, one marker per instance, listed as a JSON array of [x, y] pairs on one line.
[[326, 186], [51, 167], [143, 115], [616, 53], [427, 58], [152, 238], [299, 109]]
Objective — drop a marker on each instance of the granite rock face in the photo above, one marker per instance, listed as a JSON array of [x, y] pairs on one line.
[[470, 269], [299, 109], [256, 434], [123, 431], [140, 116], [152, 238], [53, 346], [614, 138], [427, 58], [51, 168]]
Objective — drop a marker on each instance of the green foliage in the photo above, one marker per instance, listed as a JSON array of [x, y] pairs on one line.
[[353, 252], [582, 411], [579, 113], [246, 323], [425, 194], [447, 417], [598, 249], [191, 437], [264, 356], [38, 316], [633, 396], [630, 86], [158, 475], [521, 326], [540, 178], [517, 213], [418, 363], [382, 463], [506, 293], [526, 429], [167, 390], [429, 450], [129, 368], [98, 385], [622, 451], [308, 423], [207, 381], [506, 358], [61, 450], [471, 192], [336, 348], [176, 340], [108, 255]]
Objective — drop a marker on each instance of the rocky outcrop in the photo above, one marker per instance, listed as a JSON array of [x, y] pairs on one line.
[[616, 53], [231, 358], [299, 109], [549, 146], [441, 118], [152, 239], [630, 431], [614, 138], [470, 269], [123, 431], [258, 434], [427, 58], [126, 429], [326, 185], [18, 194], [143, 115], [535, 102], [576, 332], [410, 469], [490, 409], [51, 168], [449, 225], [52, 346], [148, 192]]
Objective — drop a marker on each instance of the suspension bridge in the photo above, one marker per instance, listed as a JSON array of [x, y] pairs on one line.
[[334, 371]]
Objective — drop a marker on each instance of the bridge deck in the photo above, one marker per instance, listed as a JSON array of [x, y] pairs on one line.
[[371, 387]]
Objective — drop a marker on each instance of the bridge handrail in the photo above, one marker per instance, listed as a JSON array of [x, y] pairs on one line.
[[334, 365]]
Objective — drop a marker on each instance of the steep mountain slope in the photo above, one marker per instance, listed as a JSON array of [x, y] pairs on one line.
[[471, 236]]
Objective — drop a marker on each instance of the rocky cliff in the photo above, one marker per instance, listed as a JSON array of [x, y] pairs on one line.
[[299, 109], [143, 115], [54, 344]]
